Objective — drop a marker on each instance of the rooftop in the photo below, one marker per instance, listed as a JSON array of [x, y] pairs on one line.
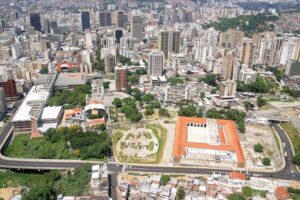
[[282, 193], [36, 95], [51, 112], [227, 137], [69, 79]]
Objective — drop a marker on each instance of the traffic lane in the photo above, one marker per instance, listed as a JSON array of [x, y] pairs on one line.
[[40, 164], [286, 176], [287, 148], [113, 186]]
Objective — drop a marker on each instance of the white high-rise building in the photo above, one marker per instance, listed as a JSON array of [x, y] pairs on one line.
[[156, 63], [88, 40], [15, 51]]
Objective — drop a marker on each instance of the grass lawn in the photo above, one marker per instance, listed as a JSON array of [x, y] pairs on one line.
[[161, 134], [24, 147], [14, 179], [151, 146], [293, 134]]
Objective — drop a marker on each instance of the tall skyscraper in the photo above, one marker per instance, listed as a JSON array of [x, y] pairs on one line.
[[35, 21], [156, 63], [118, 35], [121, 78], [247, 51], [137, 27], [46, 26], [292, 68], [228, 67], [3, 105], [15, 51], [228, 88], [122, 19], [85, 20], [169, 41], [110, 63], [105, 19], [231, 38], [10, 89]]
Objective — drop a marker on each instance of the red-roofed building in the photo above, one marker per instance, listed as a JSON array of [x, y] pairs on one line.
[[281, 193], [237, 178], [67, 66], [207, 140]]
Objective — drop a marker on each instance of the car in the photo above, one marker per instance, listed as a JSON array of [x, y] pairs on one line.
[[257, 175]]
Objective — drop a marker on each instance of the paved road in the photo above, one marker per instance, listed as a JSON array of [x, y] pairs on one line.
[[289, 169], [288, 173]]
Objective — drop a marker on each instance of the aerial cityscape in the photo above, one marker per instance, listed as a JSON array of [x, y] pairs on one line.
[[150, 100]]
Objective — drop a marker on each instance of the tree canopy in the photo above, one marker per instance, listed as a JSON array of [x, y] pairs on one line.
[[248, 23], [210, 79], [70, 99], [259, 86]]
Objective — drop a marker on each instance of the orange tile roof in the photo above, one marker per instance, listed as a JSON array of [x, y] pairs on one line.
[[233, 142], [93, 122], [70, 112], [282, 193], [237, 175]]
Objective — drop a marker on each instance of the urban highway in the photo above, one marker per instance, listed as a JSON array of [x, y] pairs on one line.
[[289, 172]]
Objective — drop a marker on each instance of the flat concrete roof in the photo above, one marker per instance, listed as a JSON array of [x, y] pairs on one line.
[[36, 93], [51, 112]]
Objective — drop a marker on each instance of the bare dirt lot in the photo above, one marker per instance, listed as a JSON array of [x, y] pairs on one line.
[[264, 135]]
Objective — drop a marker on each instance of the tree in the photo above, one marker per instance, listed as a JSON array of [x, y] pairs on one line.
[[136, 93], [44, 70], [248, 24], [248, 105], [189, 111], [165, 179], [149, 111], [266, 161], [163, 112], [213, 113], [133, 79], [258, 148], [180, 194], [291, 92], [106, 84], [41, 192], [277, 73], [210, 79], [135, 117], [117, 102], [148, 98], [124, 60], [241, 126], [236, 197], [155, 104], [296, 159], [261, 101], [141, 71], [175, 81], [259, 86]]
